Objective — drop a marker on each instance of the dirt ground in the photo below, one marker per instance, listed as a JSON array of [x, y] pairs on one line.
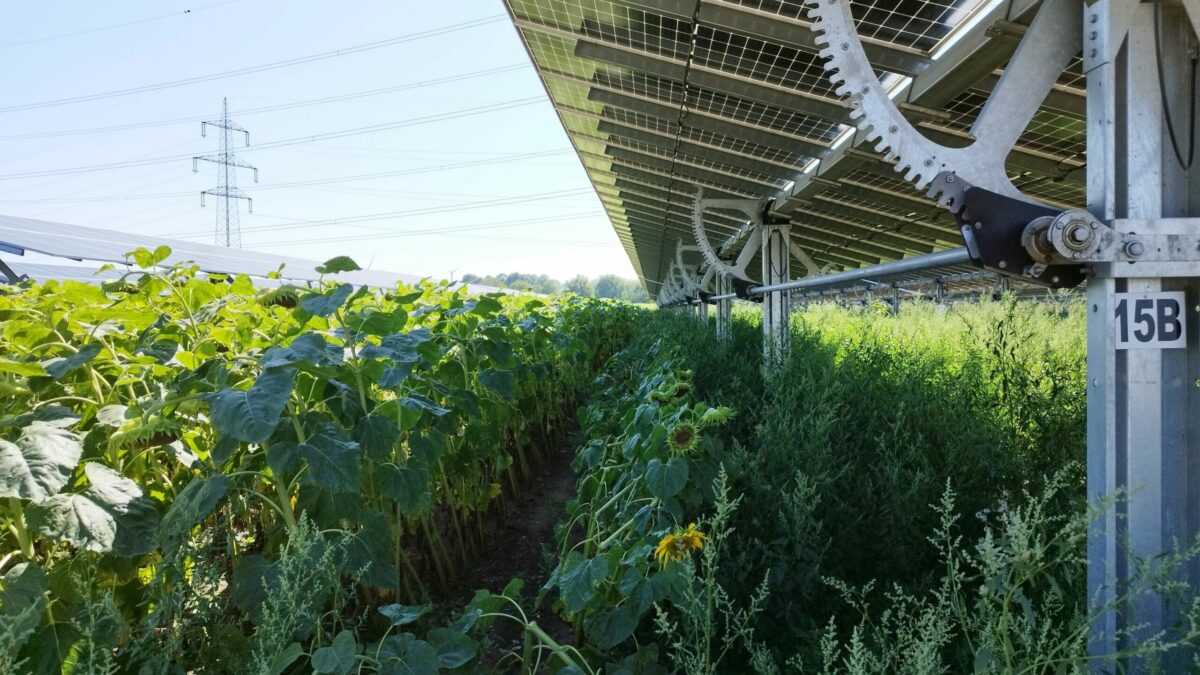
[[515, 546]]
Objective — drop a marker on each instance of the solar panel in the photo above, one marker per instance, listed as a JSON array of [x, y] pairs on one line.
[[756, 116], [43, 272], [75, 242]]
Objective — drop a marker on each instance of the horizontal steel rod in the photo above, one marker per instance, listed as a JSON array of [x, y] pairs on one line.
[[954, 256], [727, 296]]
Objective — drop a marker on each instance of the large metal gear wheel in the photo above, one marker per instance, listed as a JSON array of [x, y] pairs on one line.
[[1048, 46]]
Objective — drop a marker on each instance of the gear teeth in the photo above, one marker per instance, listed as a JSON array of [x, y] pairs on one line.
[[919, 164], [946, 198]]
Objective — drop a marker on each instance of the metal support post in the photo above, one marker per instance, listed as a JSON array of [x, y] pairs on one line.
[[1002, 286], [724, 306], [702, 312], [8, 273], [776, 269], [939, 291], [895, 300], [1143, 404]]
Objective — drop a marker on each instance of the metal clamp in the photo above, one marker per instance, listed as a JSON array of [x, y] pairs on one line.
[[1077, 236]]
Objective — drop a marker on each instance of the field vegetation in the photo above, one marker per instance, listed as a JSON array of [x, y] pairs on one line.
[[201, 475], [197, 475]]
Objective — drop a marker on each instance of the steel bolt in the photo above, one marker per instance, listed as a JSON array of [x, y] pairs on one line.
[[1134, 249], [1003, 265]]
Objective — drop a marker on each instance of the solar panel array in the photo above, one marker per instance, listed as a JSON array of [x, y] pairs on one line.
[[751, 114], [18, 235]]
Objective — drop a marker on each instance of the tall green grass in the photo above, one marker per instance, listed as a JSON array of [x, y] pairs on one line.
[[842, 457]]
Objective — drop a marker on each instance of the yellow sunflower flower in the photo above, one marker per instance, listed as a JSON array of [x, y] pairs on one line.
[[676, 545]]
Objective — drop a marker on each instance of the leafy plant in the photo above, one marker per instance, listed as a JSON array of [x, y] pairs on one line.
[[206, 440]]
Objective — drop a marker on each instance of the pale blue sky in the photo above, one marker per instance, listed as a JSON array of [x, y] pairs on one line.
[[42, 62]]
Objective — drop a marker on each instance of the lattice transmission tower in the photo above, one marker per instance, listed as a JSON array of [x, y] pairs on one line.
[[228, 229]]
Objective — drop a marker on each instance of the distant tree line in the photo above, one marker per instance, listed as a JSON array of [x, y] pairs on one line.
[[604, 286]]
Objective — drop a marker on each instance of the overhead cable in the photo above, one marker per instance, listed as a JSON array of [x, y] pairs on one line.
[[387, 126], [353, 49], [499, 159], [273, 108]]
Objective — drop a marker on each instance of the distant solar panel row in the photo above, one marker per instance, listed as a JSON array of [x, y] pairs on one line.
[[18, 235]]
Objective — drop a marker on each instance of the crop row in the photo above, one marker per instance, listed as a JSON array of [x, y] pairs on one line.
[[197, 471]]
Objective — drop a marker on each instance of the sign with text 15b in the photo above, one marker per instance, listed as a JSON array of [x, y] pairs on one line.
[[1150, 320]]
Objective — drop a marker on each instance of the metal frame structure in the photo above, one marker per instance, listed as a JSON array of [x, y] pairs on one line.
[[870, 139]]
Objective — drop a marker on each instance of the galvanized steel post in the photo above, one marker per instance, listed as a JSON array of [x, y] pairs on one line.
[[776, 269], [1143, 405], [724, 302]]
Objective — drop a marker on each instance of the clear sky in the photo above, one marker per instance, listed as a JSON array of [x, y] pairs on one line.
[[484, 180]]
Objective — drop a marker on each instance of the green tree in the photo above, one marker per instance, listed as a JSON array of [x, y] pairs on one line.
[[580, 285], [609, 286]]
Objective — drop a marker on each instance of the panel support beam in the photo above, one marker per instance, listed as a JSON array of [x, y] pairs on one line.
[[701, 119], [790, 32]]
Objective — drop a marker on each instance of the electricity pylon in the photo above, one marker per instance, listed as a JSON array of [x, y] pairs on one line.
[[226, 191]]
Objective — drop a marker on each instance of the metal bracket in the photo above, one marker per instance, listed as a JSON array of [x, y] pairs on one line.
[[993, 227], [1079, 236]]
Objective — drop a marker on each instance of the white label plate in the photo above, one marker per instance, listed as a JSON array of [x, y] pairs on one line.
[[1150, 320]]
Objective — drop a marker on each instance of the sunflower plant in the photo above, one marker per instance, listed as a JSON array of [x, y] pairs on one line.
[[647, 465], [175, 425]]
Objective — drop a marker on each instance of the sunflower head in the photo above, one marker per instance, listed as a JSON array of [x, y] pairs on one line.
[[141, 433], [682, 437], [719, 415], [285, 296], [674, 546]]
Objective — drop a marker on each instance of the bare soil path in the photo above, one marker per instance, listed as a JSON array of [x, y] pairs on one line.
[[520, 543]]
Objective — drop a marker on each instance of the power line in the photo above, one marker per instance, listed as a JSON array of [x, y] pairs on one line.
[[355, 49], [550, 242], [387, 126], [350, 220], [274, 108], [500, 159], [438, 231], [117, 25]]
